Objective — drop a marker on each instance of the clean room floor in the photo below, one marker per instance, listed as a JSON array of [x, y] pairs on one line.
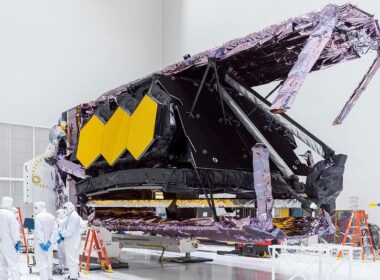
[[149, 268], [143, 264]]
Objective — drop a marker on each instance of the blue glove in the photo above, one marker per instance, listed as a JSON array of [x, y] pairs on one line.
[[42, 246], [18, 246], [60, 238], [47, 246]]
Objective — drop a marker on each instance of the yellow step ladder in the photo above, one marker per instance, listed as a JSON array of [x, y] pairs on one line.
[[95, 242], [358, 234]]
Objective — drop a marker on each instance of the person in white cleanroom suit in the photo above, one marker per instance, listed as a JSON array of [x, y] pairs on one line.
[[9, 241], [7, 203], [44, 227], [15, 211], [71, 236], [61, 220]]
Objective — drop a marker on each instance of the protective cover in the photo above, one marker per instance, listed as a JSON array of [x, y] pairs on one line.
[[325, 181], [263, 186], [241, 230], [181, 181]]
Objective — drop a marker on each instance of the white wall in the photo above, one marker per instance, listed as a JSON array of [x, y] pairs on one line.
[[190, 26], [57, 54], [18, 144]]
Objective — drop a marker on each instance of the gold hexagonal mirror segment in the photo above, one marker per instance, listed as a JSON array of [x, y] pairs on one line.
[[142, 125], [115, 138], [90, 141]]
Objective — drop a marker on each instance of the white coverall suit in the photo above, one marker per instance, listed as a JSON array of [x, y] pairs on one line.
[[61, 221], [9, 236], [45, 227], [72, 239]]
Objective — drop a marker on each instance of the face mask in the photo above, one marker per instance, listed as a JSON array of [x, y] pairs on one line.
[[39, 207], [36, 211], [7, 203], [61, 214], [66, 211]]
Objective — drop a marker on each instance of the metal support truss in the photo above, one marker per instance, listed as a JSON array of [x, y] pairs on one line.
[[211, 64], [255, 132], [358, 91], [310, 140]]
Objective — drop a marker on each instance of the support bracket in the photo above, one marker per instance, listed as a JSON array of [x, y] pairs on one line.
[[212, 64]]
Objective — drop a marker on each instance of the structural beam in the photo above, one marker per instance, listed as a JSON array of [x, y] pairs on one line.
[[255, 132], [315, 44], [310, 140], [358, 91]]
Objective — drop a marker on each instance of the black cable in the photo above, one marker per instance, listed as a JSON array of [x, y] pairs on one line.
[[210, 205], [210, 186], [170, 178], [218, 88], [273, 90], [199, 89]]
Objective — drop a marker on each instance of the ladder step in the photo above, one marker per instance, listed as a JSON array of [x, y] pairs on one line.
[[93, 250], [96, 245], [358, 228]]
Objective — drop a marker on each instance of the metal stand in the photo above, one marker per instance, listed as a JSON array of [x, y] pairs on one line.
[[188, 259]]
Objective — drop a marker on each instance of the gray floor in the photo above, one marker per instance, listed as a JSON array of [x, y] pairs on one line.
[[195, 271], [145, 265], [204, 271]]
